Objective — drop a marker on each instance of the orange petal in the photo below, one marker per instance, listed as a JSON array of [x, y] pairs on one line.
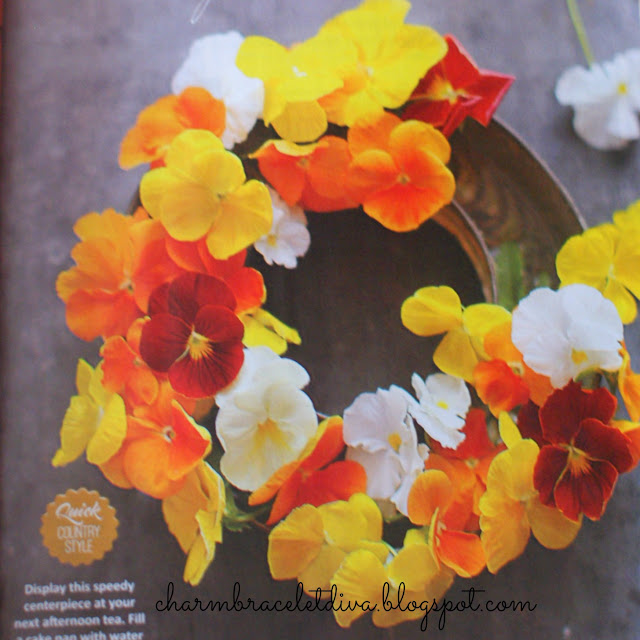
[[372, 133], [404, 207], [431, 490], [460, 551], [370, 172], [284, 172], [91, 314]]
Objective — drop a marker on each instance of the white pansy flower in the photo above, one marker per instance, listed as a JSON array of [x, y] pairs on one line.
[[443, 404], [564, 333], [288, 238], [265, 419], [211, 64], [380, 435], [606, 100]]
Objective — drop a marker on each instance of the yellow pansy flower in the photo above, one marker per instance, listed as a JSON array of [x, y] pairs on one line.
[[95, 420], [606, 257], [391, 59], [311, 542], [412, 575], [194, 517], [202, 192], [511, 509], [434, 310], [294, 79]]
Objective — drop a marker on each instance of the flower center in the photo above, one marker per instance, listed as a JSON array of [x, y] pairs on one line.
[[442, 404], [578, 357], [272, 240], [198, 345], [395, 441], [169, 433], [623, 88], [577, 462]]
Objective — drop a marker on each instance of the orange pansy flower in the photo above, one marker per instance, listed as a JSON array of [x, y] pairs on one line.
[[398, 171], [311, 175], [159, 123], [97, 291], [429, 503], [157, 454], [312, 478]]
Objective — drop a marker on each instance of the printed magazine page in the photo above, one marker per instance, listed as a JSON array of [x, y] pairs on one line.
[[319, 319]]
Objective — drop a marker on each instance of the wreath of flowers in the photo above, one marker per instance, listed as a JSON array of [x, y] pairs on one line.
[[254, 135]]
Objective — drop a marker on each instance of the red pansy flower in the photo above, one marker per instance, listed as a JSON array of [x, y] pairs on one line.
[[454, 89], [578, 469], [194, 335]]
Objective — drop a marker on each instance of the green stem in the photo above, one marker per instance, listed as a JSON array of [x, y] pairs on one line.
[[578, 25]]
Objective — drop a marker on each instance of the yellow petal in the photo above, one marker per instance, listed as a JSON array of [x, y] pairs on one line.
[[456, 355], [360, 577], [188, 211], [414, 565], [505, 529], [622, 299], [245, 216], [348, 523], [78, 425], [508, 430], [318, 574], [479, 319], [260, 57], [179, 511], [431, 311], [153, 186], [550, 527], [587, 258], [301, 121], [262, 328], [185, 151], [295, 543], [110, 432], [84, 372], [627, 262], [511, 471]]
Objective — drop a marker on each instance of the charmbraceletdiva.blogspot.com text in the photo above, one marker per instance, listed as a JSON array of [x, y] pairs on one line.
[[330, 600]]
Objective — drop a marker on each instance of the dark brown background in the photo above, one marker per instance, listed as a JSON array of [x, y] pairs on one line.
[[75, 74]]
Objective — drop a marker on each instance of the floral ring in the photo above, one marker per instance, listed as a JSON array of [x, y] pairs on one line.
[[515, 435]]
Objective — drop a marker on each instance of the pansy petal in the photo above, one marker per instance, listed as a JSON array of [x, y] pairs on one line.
[[604, 443], [586, 493], [431, 311], [110, 433], [246, 215], [551, 463], [461, 551], [550, 527], [505, 529], [295, 543], [431, 490], [163, 341]]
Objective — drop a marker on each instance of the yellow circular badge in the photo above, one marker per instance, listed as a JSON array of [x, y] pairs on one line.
[[79, 527]]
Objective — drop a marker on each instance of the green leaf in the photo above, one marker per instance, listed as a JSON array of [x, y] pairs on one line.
[[510, 272]]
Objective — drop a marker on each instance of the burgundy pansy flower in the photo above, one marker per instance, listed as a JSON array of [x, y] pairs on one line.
[[454, 89], [578, 467], [194, 335]]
